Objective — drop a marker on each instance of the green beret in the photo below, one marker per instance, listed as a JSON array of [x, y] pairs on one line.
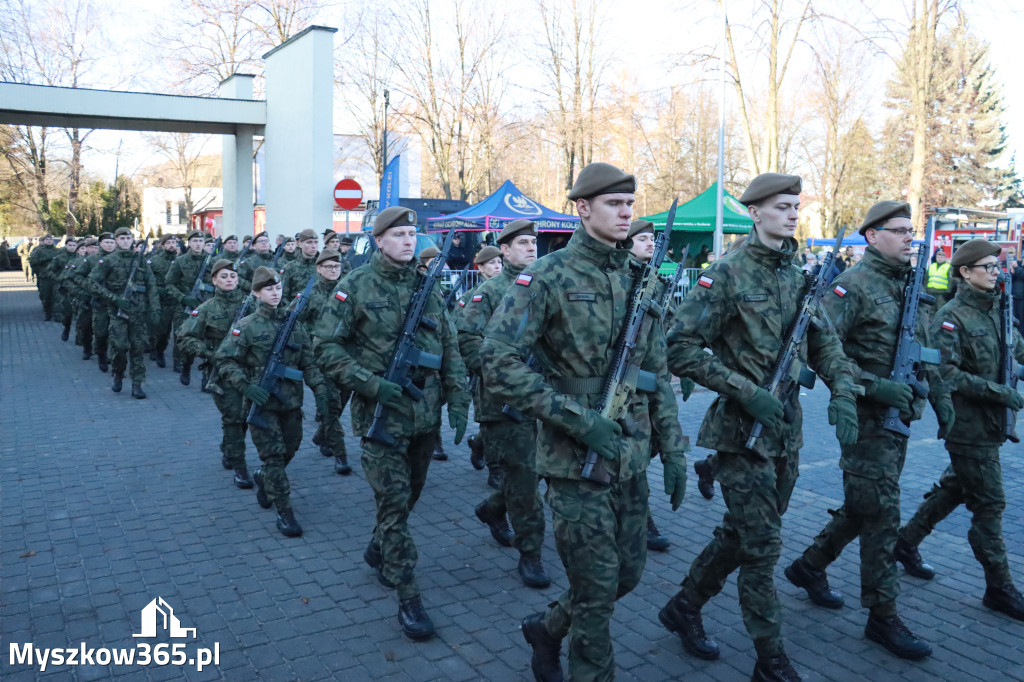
[[638, 226], [971, 252], [768, 185], [601, 178], [106, 235], [328, 254], [261, 234], [487, 253], [221, 264], [121, 231], [306, 235], [882, 211], [246, 239], [427, 254], [289, 240], [515, 228], [264, 277], [196, 234], [81, 245], [230, 237], [89, 241], [395, 216]]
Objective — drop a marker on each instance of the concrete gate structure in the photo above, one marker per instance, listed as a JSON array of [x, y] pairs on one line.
[[296, 120]]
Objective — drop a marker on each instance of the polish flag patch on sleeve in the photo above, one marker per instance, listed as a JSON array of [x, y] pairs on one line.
[[340, 295], [462, 304], [839, 291], [195, 313], [478, 298], [524, 280], [236, 332], [705, 281], [948, 326]]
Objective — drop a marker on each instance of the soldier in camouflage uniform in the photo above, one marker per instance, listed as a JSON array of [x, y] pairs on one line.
[[200, 336], [229, 249], [300, 269], [80, 295], [131, 313], [741, 308], [865, 304], [259, 254], [40, 258], [290, 253], [332, 240], [180, 280], [160, 262], [240, 359], [356, 336], [61, 300], [23, 251], [968, 331], [511, 442], [567, 309], [100, 310]]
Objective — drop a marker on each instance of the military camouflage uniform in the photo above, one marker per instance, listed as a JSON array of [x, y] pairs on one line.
[[100, 317], [40, 258], [356, 335], [80, 301], [23, 250], [567, 308], [968, 331], [248, 265], [181, 277], [160, 263], [240, 359], [296, 274], [58, 273], [741, 309]]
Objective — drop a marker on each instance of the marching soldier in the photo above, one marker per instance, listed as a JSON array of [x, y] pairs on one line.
[[59, 273], [258, 255], [567, 309], [200, 336], [300, 269], [290, 253], [81, 296], [240, 359], [356, 335], [741, 309], [180, 280], [968, 331], [229, 248], [23, 251], [332, 240], [865, 305], [40, 258], [100, 310], [510, 442], [160, 262]]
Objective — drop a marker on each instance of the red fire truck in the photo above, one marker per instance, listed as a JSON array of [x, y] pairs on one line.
[[954, 226]]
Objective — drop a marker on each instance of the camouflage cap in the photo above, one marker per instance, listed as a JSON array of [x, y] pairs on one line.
[[487, 253], [427, 254], [264, 277], [515, 228], [105, 235], [306, 235], [882, 211], [973, 251], [122, 231], [638, 226], [196, 234], [221, 264], [395, 216], [601, 178], [229, 238], [328, 254], [768, 185]]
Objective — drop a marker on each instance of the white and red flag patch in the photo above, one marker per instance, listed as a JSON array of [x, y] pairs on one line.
[[839, 291], [195, 313], [524, 279], [948, 326], [236, 332], [705, 281], [462, 303], [478, 298], [340, 295]]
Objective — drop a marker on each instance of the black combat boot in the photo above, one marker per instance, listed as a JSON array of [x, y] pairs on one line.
[[683, 618], [374, 560], [261, 494], [439, 454], [102, 362], [500, 530], [137, 391], [158, 357], [890, 632], [177, 366], [287, 524], [910, 557], [476, 452], [414, 620], [1007, 599], [774, 669], [341, 466], [118, 381], [531, 570], [325, 449], [86, 354], [495, 477], [225, 462], [705, 478], [815, 582], [242, 478], [546, 649], [66, 333], [655, 542], [186, 374]]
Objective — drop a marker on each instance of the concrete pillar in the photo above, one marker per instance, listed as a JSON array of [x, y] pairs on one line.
[[236, 164], [299, 169]]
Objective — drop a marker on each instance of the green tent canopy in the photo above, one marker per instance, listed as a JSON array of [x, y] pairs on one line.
[[698, 214]]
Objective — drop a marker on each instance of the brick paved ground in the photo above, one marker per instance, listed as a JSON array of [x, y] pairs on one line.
[[109, 502]]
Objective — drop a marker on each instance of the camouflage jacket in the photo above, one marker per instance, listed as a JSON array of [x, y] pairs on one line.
[[741, 308], [69, 281], [160, 263], [110, 275], [248, 265], [59, 263], [568, 309], [40, 257], [968, 331], [80, 281], [356, 336], [204, 329], [244, 352], [181, 276], [296, 274], [318, 298]]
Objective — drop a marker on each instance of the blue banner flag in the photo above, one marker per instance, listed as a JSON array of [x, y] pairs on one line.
[[389, 184]]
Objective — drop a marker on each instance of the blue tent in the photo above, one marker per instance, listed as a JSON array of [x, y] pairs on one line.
[[501, 208]]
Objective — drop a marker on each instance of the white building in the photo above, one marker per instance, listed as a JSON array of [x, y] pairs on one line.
[[164, 208]]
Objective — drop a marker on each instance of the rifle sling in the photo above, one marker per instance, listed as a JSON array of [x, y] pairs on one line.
[[595, 385]]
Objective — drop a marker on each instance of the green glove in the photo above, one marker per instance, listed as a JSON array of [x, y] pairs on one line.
[[891, 393], [842, 414], [943, 406], [256, 393], [191, 301], [764, 407], [322, 407], [122, 302], [603, 436], [675, 478], [458, 418], [686, 387], [390, 394], [1008, 396], [154, 319]]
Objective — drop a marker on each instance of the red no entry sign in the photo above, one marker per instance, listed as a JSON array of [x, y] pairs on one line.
[[348, 194]]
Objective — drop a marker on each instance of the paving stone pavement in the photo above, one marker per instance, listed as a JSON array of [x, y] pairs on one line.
[[107, 503]]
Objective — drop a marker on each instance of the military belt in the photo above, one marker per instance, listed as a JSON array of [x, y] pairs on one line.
[[876, 368], [577, 386]]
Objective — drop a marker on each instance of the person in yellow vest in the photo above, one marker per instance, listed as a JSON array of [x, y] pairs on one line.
[[937, 282]]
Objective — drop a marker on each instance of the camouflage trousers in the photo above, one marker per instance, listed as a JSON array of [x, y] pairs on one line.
[[276, 446], [83, 328], [128, 339], [330, 430], [756, 493], [870, 511], [100, 328], [231, 406], [63, 308], [26, 268], [515, 446], [162, 331], [178, 317], [397, 474], [978, 483], [601, 536], [45, 286]]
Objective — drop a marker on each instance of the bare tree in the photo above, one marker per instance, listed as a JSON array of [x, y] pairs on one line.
[[183, 152]]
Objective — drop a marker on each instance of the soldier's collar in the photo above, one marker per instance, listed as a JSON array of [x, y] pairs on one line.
[[764, 253], [392, 269], [583, 245], [510, 270], [976, 298], [874, 258]]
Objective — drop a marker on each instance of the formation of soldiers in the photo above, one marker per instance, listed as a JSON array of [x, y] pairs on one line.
[[533, 348]]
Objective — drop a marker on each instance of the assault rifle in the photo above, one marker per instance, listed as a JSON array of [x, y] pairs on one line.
[[406, 355], [670, 290], [453, 293], [624, 377], [210, 369], [909, 353], [1007, 365], [277, 256], [130, 286], [201, 286], [817, 285], [275, 370]]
